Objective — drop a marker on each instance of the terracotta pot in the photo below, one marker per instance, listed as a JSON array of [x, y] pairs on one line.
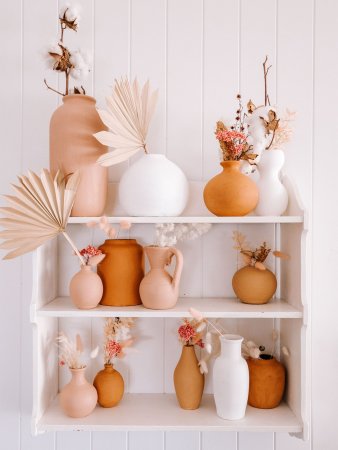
[[78, 398], [158, 289], [230, 193], [254, 286], [267, 382], [73, 147], [86, 288], [121, 272], [188, 380], [110, 386]]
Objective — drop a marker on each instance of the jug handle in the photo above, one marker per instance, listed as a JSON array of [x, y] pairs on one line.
[[178, 266]]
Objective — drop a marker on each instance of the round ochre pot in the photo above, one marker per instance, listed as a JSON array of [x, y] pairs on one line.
[[78, 398], [188, 380], [73, 147], [254, 286], [266, 382], [121, 272], [230, 193], [86, 288], [109, 385]]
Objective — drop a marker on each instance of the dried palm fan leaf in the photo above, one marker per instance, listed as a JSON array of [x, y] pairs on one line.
[[128, 117], [39, 212]]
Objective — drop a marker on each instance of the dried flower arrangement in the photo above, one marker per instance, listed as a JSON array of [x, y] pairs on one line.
[[130, 110], [254, 257], [117, 337], [70, 352], [168, 234], [74, 64], [92, 255], [251, 350], [110, 231], [190, 332]]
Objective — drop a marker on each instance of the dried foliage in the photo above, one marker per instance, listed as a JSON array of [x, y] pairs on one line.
[[251, 350], [284, 131], [70, 351], [168, 234], [117, 337]]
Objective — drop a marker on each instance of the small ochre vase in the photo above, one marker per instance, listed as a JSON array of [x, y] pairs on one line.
[[110, 386], [254, 286], [86, 288]]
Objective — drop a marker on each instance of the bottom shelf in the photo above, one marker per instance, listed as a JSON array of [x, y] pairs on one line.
[[161, 412]]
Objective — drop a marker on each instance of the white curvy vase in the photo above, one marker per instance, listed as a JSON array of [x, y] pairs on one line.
[[273, 197], [231, 379], [153, 186]]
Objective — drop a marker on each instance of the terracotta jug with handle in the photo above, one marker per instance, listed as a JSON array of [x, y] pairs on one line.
[[158, 290]]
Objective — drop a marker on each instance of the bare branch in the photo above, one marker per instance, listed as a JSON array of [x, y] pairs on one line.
[[54, 90]]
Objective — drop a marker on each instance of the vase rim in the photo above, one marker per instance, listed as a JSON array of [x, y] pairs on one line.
[[120, 240], [230, 163], [82, 96], [80, 369], [231, 338]]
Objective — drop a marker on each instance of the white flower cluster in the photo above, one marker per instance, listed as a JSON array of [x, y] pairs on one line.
[[81, 65], [72, 13], [168, 234]]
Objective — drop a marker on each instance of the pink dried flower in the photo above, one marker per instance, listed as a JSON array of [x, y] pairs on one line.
[[186, 331], [62, 363], [200, 343], [113, 348], [89, 252]]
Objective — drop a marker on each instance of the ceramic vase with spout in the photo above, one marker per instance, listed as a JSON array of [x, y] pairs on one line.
[[86, 288], [273, 197], [78, 398], [158, 289], [231, 379], [109, 385]]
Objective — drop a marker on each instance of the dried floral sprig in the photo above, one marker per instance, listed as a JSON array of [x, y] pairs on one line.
[[92, 255], [284, 131], [190, 332], [70, 352], [168, 234], [110, 231], [117, 337], [251, 350]]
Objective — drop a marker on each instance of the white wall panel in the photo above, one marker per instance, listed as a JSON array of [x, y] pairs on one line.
[[218, 441], [146, 440], [259, 441], [109, 440], [182, 440], [71, 441]]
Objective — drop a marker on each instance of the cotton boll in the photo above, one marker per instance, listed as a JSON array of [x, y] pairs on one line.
[[81, 65]]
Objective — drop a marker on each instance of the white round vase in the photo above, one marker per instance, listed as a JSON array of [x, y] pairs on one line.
[[231, 379], [273, 197], [153, 186]]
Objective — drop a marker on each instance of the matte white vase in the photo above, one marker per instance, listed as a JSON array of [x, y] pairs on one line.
[[231, 379], [273, 197], [153, 186]]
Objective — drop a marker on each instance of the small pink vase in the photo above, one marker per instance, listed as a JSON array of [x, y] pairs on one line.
[[78, 398], [86, 288], [158, 290]]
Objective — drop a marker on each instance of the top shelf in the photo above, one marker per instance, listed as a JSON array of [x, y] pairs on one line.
[[195, 219]]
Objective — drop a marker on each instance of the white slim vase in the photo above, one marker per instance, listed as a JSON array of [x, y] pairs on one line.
[[273, 197], [231, 379]]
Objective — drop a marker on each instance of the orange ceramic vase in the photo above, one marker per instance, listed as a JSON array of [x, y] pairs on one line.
[[266, 382], [158, 289], [78, 398], [254, 286], [188, 380], [110, 386], [121, 272], [73, 147], [230, 193], [86, 288]]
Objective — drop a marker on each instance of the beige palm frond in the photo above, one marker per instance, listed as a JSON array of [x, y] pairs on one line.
[[38, 212], [130, 110]]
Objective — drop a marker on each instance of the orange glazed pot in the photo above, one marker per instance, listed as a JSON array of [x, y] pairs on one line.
[[73, 147], [121, 272], [230, 193], [266, 382], [110, 386], [254, 286]]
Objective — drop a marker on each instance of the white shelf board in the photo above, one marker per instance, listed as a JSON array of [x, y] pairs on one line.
[[210, 307], [161, 412], [195, 219]]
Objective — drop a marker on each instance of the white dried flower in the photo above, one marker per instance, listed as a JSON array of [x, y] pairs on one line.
[[254, 352], [70, 13], [81, 65], [203, 366]]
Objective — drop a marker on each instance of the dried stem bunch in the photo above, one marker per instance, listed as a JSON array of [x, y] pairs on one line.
[[110, 231], [117, 337], [70, 352]]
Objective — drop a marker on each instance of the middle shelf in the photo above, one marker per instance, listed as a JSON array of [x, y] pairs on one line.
[[209, 307]]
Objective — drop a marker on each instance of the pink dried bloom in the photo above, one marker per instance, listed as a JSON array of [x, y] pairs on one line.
[[90, 251], [113, 348], [186, 331]]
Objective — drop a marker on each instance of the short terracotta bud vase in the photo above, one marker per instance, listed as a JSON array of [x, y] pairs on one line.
[[110, 386], [121, 272], [254, 286], [188, 380], [230, 193], [266, 382], [78, 398], [86, 288], [158, 289]]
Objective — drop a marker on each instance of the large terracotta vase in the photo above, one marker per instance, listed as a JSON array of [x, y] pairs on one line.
[[73, 147], [158, 289], [78, 398], [121, 272], [86, 288], [109, 385], [188, 380], [267, 382], [230, 193], [254, 286]]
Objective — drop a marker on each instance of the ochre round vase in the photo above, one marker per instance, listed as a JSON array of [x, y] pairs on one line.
[[78, 398], [254, 286], [188, 380], [109, 385], [86, 288], [73, 147], [230, 193], [266, 382], [121, 272]]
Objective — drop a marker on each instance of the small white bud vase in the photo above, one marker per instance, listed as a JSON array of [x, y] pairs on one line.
[[153, 186], [231, 379], [273, 197]]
